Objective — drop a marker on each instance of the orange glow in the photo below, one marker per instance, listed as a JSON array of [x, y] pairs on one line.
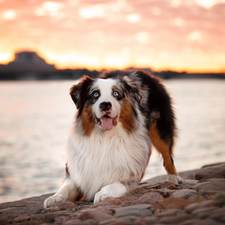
[[171, 34]]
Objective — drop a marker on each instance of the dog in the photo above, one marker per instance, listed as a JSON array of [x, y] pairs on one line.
[[119, 117]]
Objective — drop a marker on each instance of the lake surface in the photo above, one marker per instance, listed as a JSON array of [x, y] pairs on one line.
[[35, 118]]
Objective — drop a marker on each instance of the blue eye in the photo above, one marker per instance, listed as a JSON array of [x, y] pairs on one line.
[[96, 94], [115, 93]]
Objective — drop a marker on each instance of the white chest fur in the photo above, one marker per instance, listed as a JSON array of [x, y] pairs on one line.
[[106, 157]]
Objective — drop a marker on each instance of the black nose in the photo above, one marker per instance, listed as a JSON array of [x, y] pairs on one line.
[[105, 106]]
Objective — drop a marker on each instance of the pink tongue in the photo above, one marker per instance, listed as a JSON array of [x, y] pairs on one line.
[[106, 123]]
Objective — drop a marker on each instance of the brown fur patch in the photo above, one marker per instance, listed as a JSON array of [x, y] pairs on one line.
[[126, 116], [75, 195], [88, 120], [163, 148]]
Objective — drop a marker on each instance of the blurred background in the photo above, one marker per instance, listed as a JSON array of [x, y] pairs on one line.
[[46, 46]]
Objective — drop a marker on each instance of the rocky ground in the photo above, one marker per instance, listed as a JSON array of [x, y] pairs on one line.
[[199, 200]]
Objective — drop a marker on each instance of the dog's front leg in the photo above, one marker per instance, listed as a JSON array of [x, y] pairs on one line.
[[68, 191], [114, 190]]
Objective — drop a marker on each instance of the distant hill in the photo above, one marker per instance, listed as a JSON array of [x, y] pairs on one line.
[[27, 61], [28, 65]]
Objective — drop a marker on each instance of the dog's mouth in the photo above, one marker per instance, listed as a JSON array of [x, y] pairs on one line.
[[106, 122]]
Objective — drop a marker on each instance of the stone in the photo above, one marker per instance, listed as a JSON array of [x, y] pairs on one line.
[[72, 222], [174, 219], [114, 201], [199, 197], [172, 203], [136, 210], [165, 192], [191, 222], [62, 205], [198, 205], [190, 181], [104, 208], [173, 187], [156, 180], [95, 215], [146, 221], [185, 193], [24, 207], [127, 203], [200, 222], [218, 215], [89, 222], [50, 217], [211, 171], [119, 221], [168, 185], [149, 198], [211, 186], [170, 212], [20, 219], [203, 213], [78, 222]]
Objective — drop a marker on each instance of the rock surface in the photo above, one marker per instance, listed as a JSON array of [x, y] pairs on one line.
[[200, 199]]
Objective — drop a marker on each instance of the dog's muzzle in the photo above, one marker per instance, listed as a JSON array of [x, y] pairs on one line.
[[106, 122]]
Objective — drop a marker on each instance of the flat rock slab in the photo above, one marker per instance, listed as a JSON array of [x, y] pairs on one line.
[[95, 215], [136, 210], [211, 171], [185, 193], [213, 185], [172, 203], [200, 205]]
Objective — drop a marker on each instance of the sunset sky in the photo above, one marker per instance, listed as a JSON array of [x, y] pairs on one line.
[[160, 34]]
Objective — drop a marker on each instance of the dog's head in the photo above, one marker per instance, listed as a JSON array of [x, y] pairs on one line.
[[106, 102]]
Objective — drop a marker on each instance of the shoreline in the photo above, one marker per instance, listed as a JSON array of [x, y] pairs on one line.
[[199, 200]]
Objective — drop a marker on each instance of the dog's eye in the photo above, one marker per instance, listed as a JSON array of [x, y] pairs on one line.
[[115, 94], [96, 94]]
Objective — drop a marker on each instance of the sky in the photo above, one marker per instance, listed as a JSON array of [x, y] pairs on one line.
[[182, 35]]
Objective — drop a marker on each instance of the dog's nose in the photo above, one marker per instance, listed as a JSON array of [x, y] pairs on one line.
[[105, 106]]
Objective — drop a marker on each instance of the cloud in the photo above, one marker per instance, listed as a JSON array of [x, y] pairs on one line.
[[195, 36], [133, 18], [178, 22], [49, 8], [96, 11], [209, 3], [9, 15]]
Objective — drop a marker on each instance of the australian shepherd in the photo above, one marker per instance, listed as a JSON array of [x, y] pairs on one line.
[[119, 117]]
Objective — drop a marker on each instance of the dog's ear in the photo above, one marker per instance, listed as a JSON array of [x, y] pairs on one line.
[[133, 87], [79, 91]]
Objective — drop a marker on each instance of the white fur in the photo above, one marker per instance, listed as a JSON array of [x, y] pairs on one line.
[[107, 157], [64, 193], [174, 179], [112, 190]]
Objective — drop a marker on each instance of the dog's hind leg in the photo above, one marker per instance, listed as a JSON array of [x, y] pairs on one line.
[[68, 191], [164, 147]]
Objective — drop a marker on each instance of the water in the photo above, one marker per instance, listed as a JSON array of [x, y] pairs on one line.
[[35, 117]]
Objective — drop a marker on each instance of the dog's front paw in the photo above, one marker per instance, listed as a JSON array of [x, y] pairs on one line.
[[114, 190], [51, 200], [99, 196], [174, 179]]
